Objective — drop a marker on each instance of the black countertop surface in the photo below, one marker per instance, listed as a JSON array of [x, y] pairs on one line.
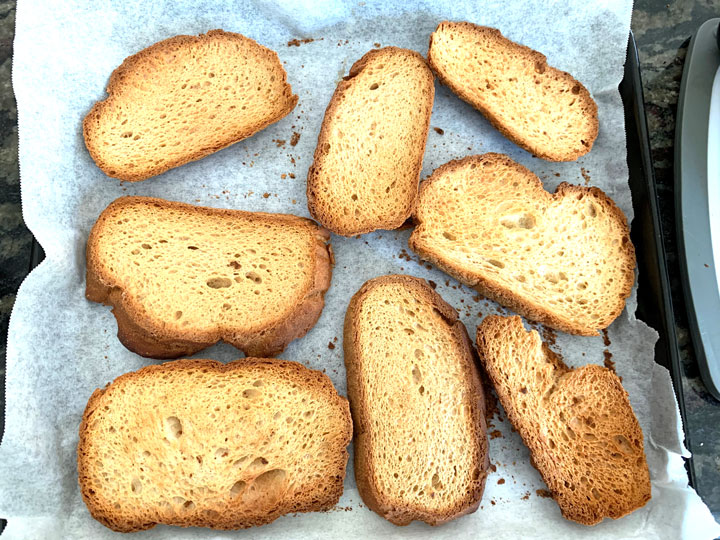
[[662, 31]]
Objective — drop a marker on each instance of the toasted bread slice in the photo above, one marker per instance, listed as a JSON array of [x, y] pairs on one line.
[[182, 277], [199, 443], [371, 145], [421, 448], [578, 423], [564, 259], [542, 109], [182, 99]]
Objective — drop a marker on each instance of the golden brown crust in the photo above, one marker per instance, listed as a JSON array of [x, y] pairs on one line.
[[321, 382], [365, 475], [325, 137], [151, 339], [510, 298], [584, 383], [126, 71], [508, 130]]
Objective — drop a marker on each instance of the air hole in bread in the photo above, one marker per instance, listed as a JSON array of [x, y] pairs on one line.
[[237, 488], [539, 67], [436, 484], [421, 390], [146, 246], [417, 375], [136, 485], [173, 427], [254, 277], [257, 464], [239, 462], [374, 86], [178, 315], [219, 283], [221, 453], [449, 236], [575, 89], [590, 210], [519, 221], [192, 247], [495, 262], [251, 393], [623, 444]]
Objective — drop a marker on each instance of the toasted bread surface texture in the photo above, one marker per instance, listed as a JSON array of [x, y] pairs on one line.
[[182, 277], [583, 436], [421, 449], [370, 149], [542, 109], [182, 99], [564, 259], [199, 443]]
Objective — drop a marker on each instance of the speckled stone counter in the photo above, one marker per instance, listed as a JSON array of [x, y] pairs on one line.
[[662, 31]]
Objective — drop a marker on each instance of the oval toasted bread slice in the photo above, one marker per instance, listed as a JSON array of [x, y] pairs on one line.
[[370, 149], [182, 277], [204, 444], [421, 448], [182, 99], [578, 423], [563, 259], [542, 109]]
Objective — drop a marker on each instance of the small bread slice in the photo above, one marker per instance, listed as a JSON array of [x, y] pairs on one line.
[[371, 144], [541, 109], [182, 277], [421, 448], [578, 423], [204, 444], [563, 259], [182, 99]]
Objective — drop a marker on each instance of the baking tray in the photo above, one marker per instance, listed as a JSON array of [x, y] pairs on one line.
[[654, 301]]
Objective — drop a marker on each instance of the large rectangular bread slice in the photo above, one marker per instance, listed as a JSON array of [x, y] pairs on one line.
[[370, 149], [578, 423], [542, 109], [182, 99], [564, 259], [182, 277], [198, 443], [421, 448]]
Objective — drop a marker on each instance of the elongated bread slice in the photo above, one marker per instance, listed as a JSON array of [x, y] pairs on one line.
[[542, 109], [199, 443], [421, 449], [371, 145], [182, 99], [182, 277], [564, 259], [578, 423]]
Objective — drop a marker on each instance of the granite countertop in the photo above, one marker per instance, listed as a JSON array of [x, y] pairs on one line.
[[662, 31]]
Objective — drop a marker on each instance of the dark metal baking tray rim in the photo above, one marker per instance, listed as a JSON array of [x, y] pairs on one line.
[[654, 300]]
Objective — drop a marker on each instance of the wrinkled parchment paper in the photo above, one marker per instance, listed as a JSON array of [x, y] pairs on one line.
[[62, 347]]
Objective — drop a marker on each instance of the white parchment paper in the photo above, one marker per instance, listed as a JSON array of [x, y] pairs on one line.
[[62, 347]]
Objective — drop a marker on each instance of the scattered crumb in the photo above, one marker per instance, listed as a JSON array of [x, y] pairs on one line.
[[292, 160], [432, 283], [492, 502], [501, 481], [493, 467], [439, 131], [291, 175], [266, 195], [549, 335], [376, 45], [557, 174], [585, 175], [706, 266], [294, 201], [298, 42], [295, 138], [526, 496], [331, 345], [279, 142], [543, 493], [283, 176], [606, 338], [495, 434], [608, 360]]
